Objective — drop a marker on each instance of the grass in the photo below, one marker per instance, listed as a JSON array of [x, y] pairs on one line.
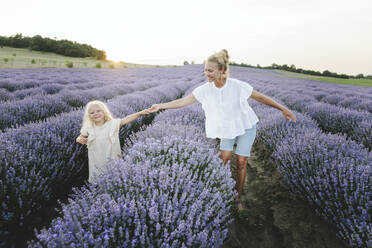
[[24, 58], [358, 82]]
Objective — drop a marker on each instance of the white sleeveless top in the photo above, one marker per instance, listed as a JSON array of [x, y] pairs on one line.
[[227, 112], [103, 143]]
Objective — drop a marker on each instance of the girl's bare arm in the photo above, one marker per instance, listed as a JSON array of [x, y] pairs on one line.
[[129, 118]]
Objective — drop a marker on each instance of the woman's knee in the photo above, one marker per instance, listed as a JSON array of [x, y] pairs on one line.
[[225, 156], [225, 159]]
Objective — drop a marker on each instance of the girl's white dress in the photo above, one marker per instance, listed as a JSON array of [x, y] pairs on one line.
[[103, 144]]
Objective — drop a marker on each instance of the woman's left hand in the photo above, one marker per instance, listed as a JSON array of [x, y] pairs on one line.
[[288, 115]]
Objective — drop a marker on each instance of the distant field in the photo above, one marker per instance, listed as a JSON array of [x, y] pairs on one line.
[[25, 58], [359, 82]]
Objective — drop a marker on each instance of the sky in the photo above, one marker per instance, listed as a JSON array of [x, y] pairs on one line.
[[334, 35]]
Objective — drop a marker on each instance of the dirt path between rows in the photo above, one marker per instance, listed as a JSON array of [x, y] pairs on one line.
[[273, 219]]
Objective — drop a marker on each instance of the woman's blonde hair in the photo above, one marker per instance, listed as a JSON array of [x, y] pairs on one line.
[[87, 122], [222, 60]]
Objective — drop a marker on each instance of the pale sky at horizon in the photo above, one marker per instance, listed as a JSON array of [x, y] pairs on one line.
[[318, 35]]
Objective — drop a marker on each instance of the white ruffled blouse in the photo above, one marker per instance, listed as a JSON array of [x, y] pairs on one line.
[[103, 143], [227, 112]]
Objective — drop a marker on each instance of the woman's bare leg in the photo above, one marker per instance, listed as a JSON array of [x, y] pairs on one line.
[[241, 173]]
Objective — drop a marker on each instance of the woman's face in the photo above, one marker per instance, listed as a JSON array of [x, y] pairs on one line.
[[211, 72], [96, 114]]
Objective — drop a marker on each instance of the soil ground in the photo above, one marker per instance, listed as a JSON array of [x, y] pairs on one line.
[[273, 219]]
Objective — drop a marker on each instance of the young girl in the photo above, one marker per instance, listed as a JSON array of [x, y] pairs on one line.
[[100, 132]]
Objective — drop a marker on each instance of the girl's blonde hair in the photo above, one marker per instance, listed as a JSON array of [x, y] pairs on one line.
[[87, 122], [222, 60]]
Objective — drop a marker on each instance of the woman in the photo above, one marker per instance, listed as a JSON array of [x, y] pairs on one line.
[[228, 114]]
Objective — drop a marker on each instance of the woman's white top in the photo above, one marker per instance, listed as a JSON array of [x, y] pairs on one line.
[[103, 143], [227, 112]]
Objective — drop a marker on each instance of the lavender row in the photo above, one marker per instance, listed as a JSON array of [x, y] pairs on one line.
[[51, 82], [43, 158], [330, 172], [347, 99], [13, 80], [49, 88], [169, 190], [356, 125], [351, 102]]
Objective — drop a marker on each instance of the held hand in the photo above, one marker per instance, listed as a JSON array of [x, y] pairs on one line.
[[289, 115], [145, 112], [154, 108], [82, 140]]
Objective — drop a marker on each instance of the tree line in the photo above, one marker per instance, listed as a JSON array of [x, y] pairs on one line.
[[63, 47], [293, 68]]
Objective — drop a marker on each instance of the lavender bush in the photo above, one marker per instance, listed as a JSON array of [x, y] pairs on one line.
[[30, 109], [5, 95], [332, 173], [335, 176], [141, 206], [355, 124]]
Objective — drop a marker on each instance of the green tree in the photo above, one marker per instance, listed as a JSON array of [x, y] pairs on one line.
[[274, 66], [101, 55]]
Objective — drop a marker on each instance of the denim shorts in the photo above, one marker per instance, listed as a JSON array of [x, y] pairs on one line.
[[244, 142]]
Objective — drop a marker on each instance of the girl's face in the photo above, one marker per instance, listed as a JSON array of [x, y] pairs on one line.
[[96, 114], [211, 72]]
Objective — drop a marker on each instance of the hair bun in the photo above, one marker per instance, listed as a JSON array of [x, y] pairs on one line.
[[226, 54]]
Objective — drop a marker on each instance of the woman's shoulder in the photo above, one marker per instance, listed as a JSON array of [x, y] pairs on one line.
[[235, 80], [238, 83]]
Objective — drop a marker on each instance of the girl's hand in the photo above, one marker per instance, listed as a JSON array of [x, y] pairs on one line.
[[82, 139], [154, 108], [288, 115]]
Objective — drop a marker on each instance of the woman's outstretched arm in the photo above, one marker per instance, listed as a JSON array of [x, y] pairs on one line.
[[179, 103], [270, 102]]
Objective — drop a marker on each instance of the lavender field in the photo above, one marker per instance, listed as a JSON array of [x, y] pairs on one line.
[[170, 189]]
